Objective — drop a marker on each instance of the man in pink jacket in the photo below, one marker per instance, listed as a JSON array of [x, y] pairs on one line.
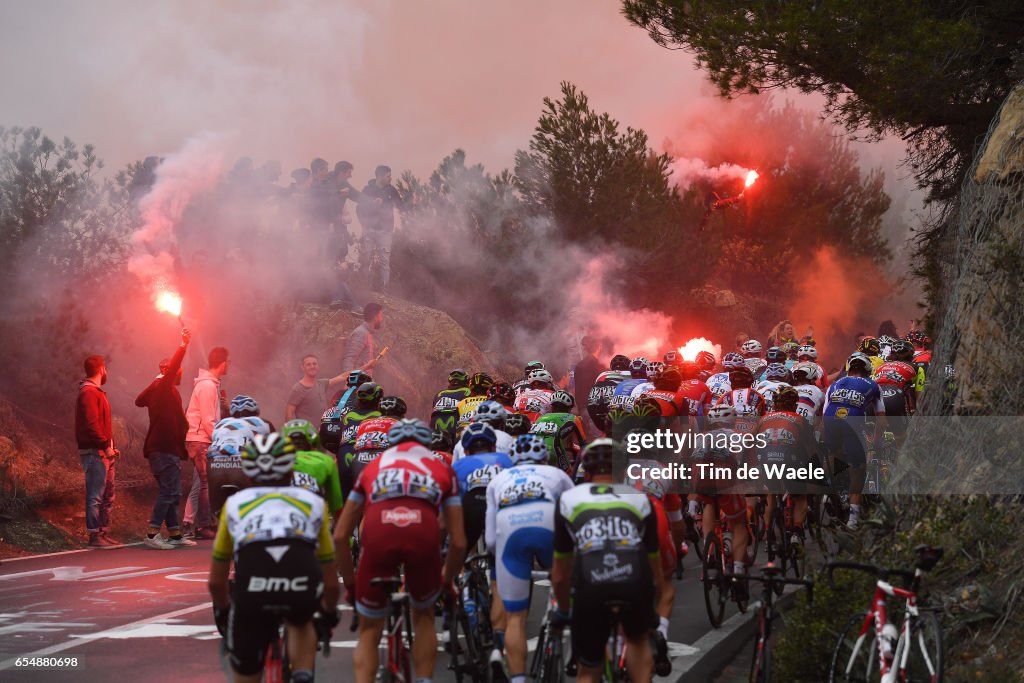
[[204, 411]]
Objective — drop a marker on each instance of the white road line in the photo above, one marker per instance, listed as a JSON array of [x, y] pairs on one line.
[[62, 552], [81, 640]]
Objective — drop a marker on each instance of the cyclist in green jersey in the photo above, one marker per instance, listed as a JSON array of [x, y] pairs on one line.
[[562, 431], [314, 470]]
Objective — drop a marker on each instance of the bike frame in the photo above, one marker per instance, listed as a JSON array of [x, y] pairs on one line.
[[893, 666], [399, 653]]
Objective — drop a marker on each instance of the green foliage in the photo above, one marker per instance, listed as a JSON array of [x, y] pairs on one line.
[[931, 72]]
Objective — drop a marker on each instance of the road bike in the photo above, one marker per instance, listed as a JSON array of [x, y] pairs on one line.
[[471, 636], [871, 648], [548, 664], [396, 644], [277, 666], [717, 587]]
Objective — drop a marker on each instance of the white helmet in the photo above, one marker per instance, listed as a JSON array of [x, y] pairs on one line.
[[722, 414], [810, 370], [751, 346], [807, 350], [542, 376]]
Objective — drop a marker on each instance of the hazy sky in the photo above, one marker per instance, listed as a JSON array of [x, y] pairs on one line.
[[396, 82]]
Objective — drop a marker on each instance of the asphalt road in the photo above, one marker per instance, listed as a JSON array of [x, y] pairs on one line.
[[145, 615]]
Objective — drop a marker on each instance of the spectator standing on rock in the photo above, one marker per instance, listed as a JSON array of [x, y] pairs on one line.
[[204, 411], [376, 213], [94, 433], [584, 375], [359, 351], [165, 447], [308, 398]]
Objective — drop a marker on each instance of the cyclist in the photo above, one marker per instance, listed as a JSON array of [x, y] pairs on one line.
[[393, 407], [718, 384], [314, 470], [282, 540], [776, 376], [442, 445], [230, 436], [751, 349], [479, 385], [693, 396], [520, 529], [808, 353], [494, 414], [367, 406], [665, 391], [706, 361], [805, 378], [536, 400], [503, 393], [748, 405], [245, 408], [604, 386], [922, 357], [848, 402], [606, 549], [371, 441], [896, 379], [562, 431], [331, 420], [523, 384], [517, 424], [446, 402], [398, 497]]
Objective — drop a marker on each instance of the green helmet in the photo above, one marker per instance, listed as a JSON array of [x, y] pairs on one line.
[[295, 430]]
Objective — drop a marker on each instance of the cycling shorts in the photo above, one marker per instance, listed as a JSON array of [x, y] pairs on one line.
[[592, 617], [844, 439], [474, 515], [896, 418], [267, 591], [395, 535], [224, 476], [522, 533], [732, 506]]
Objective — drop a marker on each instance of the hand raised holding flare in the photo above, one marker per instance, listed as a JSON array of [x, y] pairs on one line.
[[714, 202]]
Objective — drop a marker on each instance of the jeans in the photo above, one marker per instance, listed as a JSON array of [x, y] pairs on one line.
[[377, 241], [166, 469], [197, 505], [99, 489]]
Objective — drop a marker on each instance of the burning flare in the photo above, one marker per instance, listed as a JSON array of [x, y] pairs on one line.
[[751, 177], [168, 302], [690, 349]]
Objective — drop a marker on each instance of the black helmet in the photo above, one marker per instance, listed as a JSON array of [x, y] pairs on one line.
[[619, 363], [393, 406], [517, 424], [480, 383], [357, 377], [369, 392], [741, 378], [786, 398], [599, 456], [503, 393], [442, 441]]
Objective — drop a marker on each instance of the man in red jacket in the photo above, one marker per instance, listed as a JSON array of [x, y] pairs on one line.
[[165, 447], [95, 436]]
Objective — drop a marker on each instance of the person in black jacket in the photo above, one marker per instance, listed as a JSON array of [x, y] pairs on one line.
[[376, 212], [165, 447]]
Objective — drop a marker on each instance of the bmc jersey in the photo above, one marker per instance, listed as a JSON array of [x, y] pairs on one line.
[[404, 487], [749, 406], [896, 374], [811, 400], [853, 397], [475, 472], [273, 513], [611, 530]]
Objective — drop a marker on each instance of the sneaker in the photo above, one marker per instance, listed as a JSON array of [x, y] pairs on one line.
[[113, 542], [157, 543], [205, 535], [187, 530], [98, 540], [662, 664], [497, 664], [181, 542]]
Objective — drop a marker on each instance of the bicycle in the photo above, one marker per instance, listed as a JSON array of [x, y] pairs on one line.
[[717, 588], [478, 634], [614, 666], [778, 542], [548, 664], [888, 658], [771, 577], [396, 645], [277, 665]]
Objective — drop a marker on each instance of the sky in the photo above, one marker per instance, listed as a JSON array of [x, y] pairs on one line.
[[369, 81]]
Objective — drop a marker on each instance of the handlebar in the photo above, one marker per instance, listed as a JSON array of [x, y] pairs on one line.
[[773, 579], [877, 572]]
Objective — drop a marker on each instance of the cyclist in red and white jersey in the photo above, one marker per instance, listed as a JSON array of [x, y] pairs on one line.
[[536, 400], [896, 378], [748, 405], [812, 398]]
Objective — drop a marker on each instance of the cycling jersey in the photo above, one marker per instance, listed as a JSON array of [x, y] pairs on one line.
[[533, 402], [767, 388], [467, 408], [402, 491], [812, 398], [230, 436], [666, 400], [896, 374], [474, 473], [601, 394], [850, 397], [787, 441], [668, 508], [258, 424], [627, 392], [445, 413], [224, 461], [278, 513], [693, 398], [347, 444], [563, 435], [318, 472], [719, 385], [715, 451], [520, 524], [371, 440], [503, 445], [749, 406], [611, 532]]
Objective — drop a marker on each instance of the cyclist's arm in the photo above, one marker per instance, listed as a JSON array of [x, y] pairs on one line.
[[350, 516], [223, 547], [332, 488]]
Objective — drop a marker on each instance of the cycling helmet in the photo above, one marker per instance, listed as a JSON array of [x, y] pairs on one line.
[[503, 393], [917, 338], [672, 358], [564, 399], [442, 441], [869, 346], [706, 361], [517, 424], [393, 406], [302, 433], [410, 430], [541, 376], [492, 413], [243, 406], [751, 346], [638, 368], [732, 360], [477, 433], [775, 355], [806, 351], [646, 406], [619, 363], [689, 370], [721, 415], [480, 383], [531, 366], [860, 359], [357, 377], [810, 371], [901, 350], [741, 378], [668, 379], [268, 459], [529, 448], [790, 349], [777, 372], [369, 392], [786, 399], [652, 487], [756, 366], [458, 377], [653, 368], [599, 456]]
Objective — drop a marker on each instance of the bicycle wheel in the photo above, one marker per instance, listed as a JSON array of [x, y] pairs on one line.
[[855, 657], [823, 516], [715, 586], [760, 665], [778, 544], [925, 660], [538, 661]]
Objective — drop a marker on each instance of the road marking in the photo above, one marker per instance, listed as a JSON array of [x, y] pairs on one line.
[[63, 552], [200, 577], [79, 573], [81, 640], [158, 631], [134, 574]]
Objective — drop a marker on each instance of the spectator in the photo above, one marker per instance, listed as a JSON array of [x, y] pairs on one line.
[[204, 410], [359, 350], [741, 338], [782, 333], [377, 216], [308, 399], [584, 374], [95, 436], [888, 329], [165, 447], [344, 191]]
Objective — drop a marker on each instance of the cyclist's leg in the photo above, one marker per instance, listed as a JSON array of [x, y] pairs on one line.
[[365, 659], [302, 645], [636, 626], [423, 582], [424, 643], [517, 544]]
